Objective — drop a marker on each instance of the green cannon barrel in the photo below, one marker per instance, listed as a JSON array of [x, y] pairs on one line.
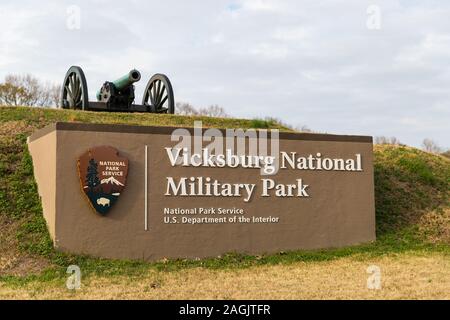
[[125, 81]]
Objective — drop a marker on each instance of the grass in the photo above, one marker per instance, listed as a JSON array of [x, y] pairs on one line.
[[403, 276], [411, 189], [408, 183], [40, 117]]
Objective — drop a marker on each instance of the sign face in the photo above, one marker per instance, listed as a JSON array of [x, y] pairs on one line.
[[201, 192], [103, 175]]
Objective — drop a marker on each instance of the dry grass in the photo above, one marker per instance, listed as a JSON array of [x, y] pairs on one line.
[[435, 226], [13, 261], [404, 276], [409, 185]]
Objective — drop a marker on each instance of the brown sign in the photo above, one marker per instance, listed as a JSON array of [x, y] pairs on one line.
[[200, 202], [103, 175]]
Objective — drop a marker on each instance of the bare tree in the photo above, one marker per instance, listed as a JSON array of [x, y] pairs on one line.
[[430, 146], [55, 95], [381, 140], [11, 95], [279, 122], [213, 111], [387, 140], [185, 109], [26, 90], [303, 128]]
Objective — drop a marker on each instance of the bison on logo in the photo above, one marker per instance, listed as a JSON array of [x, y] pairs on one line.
[[103, 175]]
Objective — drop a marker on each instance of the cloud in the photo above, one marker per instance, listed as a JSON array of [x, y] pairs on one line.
[[261, 5], [307, 62]]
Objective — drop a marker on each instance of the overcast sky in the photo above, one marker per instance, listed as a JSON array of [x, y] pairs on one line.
[[335, 66]]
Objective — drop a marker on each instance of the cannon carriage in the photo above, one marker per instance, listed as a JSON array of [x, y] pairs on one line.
[[117, 95]]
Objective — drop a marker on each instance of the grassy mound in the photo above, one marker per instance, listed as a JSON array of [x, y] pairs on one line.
[[411, 188], [412, 192]]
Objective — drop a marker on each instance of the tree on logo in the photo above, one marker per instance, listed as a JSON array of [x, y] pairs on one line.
[[92, 179]]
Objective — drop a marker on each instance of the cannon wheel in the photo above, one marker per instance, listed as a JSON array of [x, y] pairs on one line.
[[158, 95], [74, 92]]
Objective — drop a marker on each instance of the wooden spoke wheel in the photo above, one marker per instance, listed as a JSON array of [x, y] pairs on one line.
[[74, 92], [158, 95]]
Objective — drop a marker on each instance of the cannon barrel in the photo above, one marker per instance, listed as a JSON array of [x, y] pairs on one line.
[[124, 81], [127, 80]]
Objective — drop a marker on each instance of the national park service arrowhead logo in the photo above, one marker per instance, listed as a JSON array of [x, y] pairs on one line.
[[103, 175]]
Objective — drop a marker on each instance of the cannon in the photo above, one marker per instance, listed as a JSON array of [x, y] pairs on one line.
[[117, 95]]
